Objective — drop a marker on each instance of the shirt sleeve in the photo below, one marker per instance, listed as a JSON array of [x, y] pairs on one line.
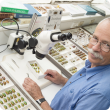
[[92, 101]]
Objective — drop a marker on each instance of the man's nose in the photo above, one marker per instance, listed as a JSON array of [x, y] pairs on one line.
[[97, 47]]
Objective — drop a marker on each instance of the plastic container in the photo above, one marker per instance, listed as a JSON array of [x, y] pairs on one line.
[[12, 99], [36, 69]]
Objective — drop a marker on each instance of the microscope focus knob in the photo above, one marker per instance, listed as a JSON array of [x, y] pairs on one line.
[[22, 44], [33, 42]]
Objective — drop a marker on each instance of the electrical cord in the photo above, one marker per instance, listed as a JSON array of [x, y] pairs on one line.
[[14, 29], [8, 28], [5, 48]]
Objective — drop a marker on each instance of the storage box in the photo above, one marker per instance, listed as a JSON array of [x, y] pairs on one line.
[[36, 69], [65, 13], [74, 10], [89, 9], [13, 6], [43, 9], [12, 98], [53, 19], [68, 55], [6, 15]]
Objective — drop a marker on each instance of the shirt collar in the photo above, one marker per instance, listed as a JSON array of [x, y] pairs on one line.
[[92, 71]]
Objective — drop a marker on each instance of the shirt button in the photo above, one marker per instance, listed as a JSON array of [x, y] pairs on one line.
[[70, 82], [71, 91], [80, 74]]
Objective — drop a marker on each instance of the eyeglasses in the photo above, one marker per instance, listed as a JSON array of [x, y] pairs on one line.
[[103, 45]]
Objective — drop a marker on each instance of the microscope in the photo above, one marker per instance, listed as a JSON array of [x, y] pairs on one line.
[[40, 45]]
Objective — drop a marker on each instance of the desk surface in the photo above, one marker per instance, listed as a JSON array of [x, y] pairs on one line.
[[49, 91]]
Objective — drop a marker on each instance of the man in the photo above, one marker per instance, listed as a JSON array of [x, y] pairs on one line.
[[89, 88]]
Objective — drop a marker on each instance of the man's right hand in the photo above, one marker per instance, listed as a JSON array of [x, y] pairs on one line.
[[55, 77]]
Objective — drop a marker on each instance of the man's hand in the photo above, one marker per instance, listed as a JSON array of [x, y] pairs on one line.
[[55, 77], [32, 88]]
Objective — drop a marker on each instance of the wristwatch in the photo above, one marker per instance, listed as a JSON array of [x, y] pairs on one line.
[[39, 101]]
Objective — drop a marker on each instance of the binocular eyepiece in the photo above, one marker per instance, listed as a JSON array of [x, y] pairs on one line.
[[64, 36]]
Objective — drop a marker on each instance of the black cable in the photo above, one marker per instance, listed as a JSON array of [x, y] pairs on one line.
[[14, 29], [4, 49], [9, 28]]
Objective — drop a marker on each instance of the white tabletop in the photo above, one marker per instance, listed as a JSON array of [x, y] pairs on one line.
[[49, 91]]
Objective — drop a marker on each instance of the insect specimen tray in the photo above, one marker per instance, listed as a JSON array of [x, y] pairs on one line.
[[21, 70], [13, 96]]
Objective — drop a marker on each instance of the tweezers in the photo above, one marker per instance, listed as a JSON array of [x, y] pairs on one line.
[[15, 63]]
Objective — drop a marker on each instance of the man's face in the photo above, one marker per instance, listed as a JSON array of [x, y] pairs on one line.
[[102, 34]]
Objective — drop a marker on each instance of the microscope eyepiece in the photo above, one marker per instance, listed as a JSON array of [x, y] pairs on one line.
[[62, 37], [69, 35]]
